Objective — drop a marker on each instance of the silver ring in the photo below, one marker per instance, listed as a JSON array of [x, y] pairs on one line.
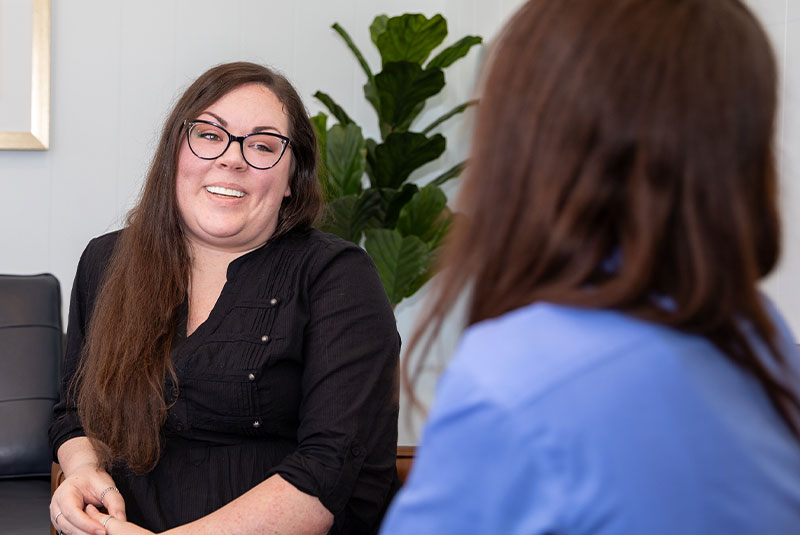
[[105, 491], [106, 520], [55, 520]]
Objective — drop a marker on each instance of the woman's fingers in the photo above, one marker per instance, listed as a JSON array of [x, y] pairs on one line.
[[55, 517], [73, 520], [55, 514], [81, 492], [115, 504], [83, 525], [114, 525], [103, 518], [95, 514], [66, 527]]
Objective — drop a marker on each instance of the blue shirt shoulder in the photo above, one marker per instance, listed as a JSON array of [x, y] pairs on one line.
[[556, 419]]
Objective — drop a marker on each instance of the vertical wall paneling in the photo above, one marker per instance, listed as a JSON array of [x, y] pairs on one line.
[[787, 295], [84, 146]]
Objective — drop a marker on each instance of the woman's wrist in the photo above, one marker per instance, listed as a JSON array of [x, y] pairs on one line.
[[77, 454]]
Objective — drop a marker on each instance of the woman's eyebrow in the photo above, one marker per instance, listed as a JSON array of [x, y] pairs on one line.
[[224, 123], [219, 119], [263, 128]]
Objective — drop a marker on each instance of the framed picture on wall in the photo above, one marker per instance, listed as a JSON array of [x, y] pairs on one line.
[[24, 74]]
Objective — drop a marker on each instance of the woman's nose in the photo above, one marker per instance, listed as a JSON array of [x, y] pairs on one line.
[[232, 157]]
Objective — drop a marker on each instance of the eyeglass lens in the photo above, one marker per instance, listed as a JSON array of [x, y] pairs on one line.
[[261, 150]]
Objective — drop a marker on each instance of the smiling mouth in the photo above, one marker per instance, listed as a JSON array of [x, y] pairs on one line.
[[225, 192]]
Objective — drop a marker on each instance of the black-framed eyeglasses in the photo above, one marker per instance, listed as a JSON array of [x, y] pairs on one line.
[[209, 141]]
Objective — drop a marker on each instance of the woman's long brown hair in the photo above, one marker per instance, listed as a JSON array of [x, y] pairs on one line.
[[126, 358], [636, 131]]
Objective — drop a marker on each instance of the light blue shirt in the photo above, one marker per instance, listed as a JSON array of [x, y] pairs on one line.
[[559, 420]]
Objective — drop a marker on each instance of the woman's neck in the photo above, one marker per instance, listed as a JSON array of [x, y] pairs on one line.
[[206, 280], [209, 259]]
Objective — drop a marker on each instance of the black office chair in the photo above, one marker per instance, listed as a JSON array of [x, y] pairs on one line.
[[30, 354]]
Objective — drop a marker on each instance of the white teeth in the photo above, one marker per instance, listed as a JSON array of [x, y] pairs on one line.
[[224, 191]]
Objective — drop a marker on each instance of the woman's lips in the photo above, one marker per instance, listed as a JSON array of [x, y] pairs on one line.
[[225, 192]]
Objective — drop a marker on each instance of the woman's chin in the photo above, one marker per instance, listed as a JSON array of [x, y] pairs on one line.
[[228, 238]]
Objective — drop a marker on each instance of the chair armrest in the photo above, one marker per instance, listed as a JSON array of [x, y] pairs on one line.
[[405, 458], [56, 478]]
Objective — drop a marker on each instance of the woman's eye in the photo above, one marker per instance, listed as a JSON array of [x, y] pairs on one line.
[[210, 136], [261, 147]]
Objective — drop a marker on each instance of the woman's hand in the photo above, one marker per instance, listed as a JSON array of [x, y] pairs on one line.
[[115, 525], [86, 486]]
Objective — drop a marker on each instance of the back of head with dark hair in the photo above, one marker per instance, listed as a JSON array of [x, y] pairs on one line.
[[622, 155]]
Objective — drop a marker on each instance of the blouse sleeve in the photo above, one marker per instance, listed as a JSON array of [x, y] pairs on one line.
[[347, 435]]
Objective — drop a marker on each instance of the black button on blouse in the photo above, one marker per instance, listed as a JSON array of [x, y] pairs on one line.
[[293, 373]]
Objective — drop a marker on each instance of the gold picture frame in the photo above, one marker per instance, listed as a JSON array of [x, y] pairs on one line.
[[37, 136]]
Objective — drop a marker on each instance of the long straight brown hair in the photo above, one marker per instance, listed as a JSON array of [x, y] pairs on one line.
[[126, 357], [635, 130]]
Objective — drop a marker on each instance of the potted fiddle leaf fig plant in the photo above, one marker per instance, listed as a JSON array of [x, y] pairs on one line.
[[401, 224]]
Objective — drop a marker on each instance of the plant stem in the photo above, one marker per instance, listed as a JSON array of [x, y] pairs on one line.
[[450, 173], [458, 109], [352, 46]]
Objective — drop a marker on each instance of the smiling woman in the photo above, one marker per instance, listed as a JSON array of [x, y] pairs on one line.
[[226, 200], [215, 343]]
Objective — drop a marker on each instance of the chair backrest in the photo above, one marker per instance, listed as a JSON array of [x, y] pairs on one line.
[[30, 355]]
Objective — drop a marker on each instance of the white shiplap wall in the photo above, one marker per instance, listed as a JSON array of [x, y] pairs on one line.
[[117, 66]]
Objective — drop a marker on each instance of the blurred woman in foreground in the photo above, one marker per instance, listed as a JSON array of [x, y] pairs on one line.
[[621, 373]]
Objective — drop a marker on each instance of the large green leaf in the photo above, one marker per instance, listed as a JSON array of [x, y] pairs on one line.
[[439, 229], [320, 122], [403, 262], [354, 49], [457, 50], [400, 154], [406, 124], [349, 216], [410, 37], [346, 158], [377, 27], [393, 200], [371, 94], [400, 88], [338, 216], [334, 108], [417, 218], [371, 144]]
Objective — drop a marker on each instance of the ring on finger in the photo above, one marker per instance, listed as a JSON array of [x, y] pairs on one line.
[[106, 491], [55, 520], [109, 517]]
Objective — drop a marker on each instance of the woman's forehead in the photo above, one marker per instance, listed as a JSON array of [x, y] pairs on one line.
[[249, 107]]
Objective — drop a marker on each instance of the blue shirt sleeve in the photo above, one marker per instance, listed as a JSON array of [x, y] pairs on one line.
[[469, 475]]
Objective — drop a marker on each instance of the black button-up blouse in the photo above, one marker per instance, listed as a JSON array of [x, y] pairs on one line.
[[293, 373]]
